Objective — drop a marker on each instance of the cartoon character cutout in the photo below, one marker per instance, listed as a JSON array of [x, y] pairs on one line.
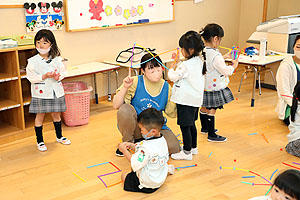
[[29, 8], [96, 8], [44, 7], [57, 7], [58, 24], [31, 26]]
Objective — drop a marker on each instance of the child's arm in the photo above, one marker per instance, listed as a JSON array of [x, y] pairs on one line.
[[33, 77], [123, 149], [179, 73], [62, 71], [222, 68], [119, 98]]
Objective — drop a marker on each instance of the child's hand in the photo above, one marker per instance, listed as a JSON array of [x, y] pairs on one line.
[[56, 76], [235, 63], [123, 147], [175, 57], [47, 75], [127, 82], [227, 55]]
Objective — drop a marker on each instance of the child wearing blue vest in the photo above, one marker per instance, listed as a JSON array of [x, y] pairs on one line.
[[188, 78], [139, 93], [149, 162]]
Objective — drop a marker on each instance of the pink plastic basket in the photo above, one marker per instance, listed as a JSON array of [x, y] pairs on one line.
[[77, 95]]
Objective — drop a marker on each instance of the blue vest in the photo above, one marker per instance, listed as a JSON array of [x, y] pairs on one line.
[[143, 100]]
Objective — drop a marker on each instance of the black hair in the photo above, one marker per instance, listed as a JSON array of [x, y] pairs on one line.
[[289, 182], [212, 30], [151, 119], [49, 37], [296, 39], [151, 63], [296, 97], [192, 40]]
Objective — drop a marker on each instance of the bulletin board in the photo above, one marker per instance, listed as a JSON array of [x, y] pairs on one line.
[[83, 15]]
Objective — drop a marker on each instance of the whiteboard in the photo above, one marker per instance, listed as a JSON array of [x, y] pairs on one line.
[[82, 15]]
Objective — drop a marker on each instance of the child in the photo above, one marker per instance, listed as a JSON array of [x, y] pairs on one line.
[[187, 92], [149, 162], [45, 72], [139, 93], [286, 187], [216, 92], [293, 147]]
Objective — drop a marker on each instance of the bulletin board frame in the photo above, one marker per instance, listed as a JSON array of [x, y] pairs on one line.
[[69, 29]]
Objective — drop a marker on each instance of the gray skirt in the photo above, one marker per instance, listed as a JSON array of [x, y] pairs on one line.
[[293, 148], [213, 99], [38, 105]]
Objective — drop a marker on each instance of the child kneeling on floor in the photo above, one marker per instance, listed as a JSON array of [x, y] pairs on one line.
[[149, 162]]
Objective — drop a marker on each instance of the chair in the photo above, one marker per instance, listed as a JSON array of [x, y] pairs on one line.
[[257, 71]]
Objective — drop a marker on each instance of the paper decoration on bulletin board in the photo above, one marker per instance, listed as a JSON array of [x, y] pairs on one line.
[[84, 15], [43, 15], [197, 1]]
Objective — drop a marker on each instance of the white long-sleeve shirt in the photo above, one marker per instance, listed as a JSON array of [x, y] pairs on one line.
[[188, 81], [216, 77], [37, 66]]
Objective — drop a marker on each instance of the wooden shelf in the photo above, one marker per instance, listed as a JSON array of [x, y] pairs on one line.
[[6, 104], [26, 100], [18, 48], [23, 75], [7, 128], [7, 77]]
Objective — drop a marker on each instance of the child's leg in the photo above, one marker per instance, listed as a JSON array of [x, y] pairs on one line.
[[38, 123], [212, 136], [123, 176], [194, 136], [57, 125], [187, 138], [203, 119]]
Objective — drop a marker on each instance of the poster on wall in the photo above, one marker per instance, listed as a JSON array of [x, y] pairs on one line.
[[43, 15]]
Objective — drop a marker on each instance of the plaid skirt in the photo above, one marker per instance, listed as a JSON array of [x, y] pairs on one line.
[[38, 105], [293, 148], [213, 99]]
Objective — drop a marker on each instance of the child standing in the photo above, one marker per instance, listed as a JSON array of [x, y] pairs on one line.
[[45, 72], [216, 92], [187, 92], [149, 162], [293, 147], [286, 187]]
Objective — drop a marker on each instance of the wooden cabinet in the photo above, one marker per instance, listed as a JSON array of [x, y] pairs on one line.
[[14, 89]]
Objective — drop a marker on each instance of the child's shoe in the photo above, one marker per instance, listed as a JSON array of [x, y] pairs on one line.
[[63, 140], [41, 146], [217, 138], [182, 156], [205, 131], [171, 169], [194, 151]]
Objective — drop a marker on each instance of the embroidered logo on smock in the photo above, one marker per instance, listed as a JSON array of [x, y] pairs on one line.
[[141, 156]]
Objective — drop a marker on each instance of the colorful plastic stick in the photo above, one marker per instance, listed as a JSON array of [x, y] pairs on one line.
[[286, 96], [115, 166], [296, 163], [268, 191], [114, 184], [265, 138], [79, 177], [152, 55], [210, 154], [195, 165], [291, 165], [273, 173], [246, 183], [110, 173], [97, 165], [252, 134], [132, 55], [248, 176]]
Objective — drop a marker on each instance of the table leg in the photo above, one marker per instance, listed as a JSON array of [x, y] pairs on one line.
[[95, 85], [254, 84], [109, 93]]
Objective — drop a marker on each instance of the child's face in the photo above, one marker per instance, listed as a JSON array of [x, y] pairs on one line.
[[278, 194], [153, 74], [42, 44], [145, 132]]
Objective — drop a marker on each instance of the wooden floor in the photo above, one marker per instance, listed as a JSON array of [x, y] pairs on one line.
[[26, 173]]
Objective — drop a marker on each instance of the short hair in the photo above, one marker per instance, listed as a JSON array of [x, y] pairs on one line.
[[210, 31], [49, 37], [152, 61], [289, 182], [151, 119], [296, 39]]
